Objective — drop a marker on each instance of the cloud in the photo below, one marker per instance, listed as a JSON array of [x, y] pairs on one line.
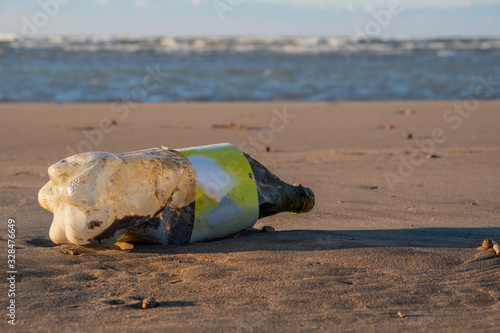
[[101, 2]]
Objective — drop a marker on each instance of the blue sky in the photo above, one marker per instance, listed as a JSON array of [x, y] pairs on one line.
[[423, 18]]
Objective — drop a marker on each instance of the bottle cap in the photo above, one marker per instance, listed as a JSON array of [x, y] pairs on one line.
[[308, 200]]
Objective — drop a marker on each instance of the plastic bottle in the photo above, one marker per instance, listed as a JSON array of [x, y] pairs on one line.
[[165, 196]]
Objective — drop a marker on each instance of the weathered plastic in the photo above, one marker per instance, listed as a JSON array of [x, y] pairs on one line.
[[156, 195]]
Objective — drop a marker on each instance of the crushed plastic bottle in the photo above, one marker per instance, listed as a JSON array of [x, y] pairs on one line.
[[164, 196]]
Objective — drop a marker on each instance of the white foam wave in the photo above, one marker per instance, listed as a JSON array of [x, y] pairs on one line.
[[287, 45], [7, 37]]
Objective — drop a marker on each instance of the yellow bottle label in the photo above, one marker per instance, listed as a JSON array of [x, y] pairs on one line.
[[226, 194]]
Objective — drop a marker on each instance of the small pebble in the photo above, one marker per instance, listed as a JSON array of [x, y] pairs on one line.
[[268, 229], [429, 156], [124, 246], [73, 252], [408, 135], [490, 245], [409, 112], [148, 303], [389, 126], [487, 244], [268, 149]]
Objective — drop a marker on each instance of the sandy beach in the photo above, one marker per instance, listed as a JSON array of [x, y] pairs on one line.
[[403, 200]]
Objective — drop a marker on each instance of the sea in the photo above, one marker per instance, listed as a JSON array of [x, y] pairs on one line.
[[174, 69]]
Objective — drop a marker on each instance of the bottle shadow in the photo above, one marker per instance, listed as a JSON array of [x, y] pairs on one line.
[[320, 240]]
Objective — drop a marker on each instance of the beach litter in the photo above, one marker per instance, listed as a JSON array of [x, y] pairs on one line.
[[148, 303], [164, 196], [490, 245]]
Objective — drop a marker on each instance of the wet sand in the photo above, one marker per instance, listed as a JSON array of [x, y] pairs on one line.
[[391, 244]]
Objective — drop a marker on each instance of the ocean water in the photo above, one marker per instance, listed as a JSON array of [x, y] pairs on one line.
[[169, 69]]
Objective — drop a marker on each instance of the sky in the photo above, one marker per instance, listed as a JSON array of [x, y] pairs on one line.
[[424, 18]]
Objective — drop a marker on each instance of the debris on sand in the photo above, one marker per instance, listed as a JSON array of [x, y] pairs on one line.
[[408, 135], [487, 244], [408, 112], [125, 246], [233, 126], [389, 126], [490, 245], [399, 314], [148, 303], [268, 229]]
